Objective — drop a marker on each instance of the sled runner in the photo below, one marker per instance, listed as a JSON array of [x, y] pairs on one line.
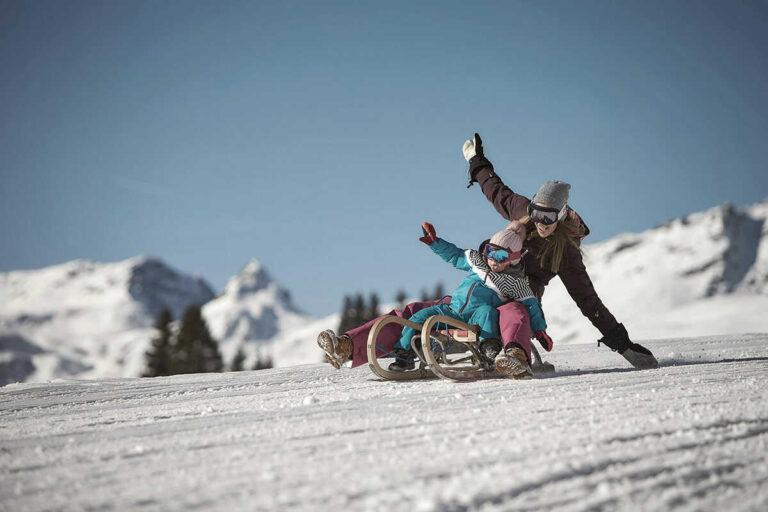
[[374, 353], [537, 365], [441, 350], [446, 348]]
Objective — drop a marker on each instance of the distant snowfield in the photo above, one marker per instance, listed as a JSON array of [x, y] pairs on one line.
[[691, 435]]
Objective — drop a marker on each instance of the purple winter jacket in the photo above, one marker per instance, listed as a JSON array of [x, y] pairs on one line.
[[572, 273]]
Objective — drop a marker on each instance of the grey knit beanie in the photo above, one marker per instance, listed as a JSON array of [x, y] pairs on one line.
[[553, 194]]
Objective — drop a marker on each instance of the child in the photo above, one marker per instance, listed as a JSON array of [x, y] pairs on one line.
[[496, 275]]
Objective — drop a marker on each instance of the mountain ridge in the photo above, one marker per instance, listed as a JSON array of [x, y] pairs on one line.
[[700, 274]]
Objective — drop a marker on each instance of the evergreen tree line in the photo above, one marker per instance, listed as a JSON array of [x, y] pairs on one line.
[[355, 310], [190, 349]]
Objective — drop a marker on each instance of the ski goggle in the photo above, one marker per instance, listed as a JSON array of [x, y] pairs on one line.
[[545, 215], [500, 254]]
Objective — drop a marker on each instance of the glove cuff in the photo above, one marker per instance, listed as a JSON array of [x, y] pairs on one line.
[[476, 164], [617, 339]]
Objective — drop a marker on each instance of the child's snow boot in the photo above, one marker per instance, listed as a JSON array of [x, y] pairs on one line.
[[404, 360], [512, 363], [338, 349], [490, 348]]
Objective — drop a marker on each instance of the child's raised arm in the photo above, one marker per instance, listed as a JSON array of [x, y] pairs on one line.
[[445, 250]]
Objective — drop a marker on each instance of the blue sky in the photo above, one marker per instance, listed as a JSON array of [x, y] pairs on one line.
[[316, 136]]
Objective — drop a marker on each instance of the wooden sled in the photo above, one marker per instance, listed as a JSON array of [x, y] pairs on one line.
[[446, 348]]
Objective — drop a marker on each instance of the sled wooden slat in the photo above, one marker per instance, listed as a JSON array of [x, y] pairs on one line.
[[373, 361]]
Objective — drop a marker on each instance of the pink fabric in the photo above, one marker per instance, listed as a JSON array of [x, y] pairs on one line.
[[515, 326], [388, 336]]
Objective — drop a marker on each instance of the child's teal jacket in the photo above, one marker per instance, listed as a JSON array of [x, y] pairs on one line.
[[479, 287]]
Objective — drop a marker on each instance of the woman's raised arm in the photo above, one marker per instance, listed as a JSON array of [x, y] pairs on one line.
[[510, 205]]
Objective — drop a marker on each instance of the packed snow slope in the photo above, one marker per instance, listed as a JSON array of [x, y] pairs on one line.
[[596, 435]]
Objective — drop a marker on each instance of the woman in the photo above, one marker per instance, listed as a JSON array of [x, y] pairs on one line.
[[555, 233]]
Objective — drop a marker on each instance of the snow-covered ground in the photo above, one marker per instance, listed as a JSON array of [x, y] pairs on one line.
[[691, 435]]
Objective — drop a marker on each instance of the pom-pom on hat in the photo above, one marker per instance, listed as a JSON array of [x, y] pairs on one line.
[[510, 238]]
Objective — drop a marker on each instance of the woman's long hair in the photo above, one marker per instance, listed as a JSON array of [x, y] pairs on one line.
[[568, 232]]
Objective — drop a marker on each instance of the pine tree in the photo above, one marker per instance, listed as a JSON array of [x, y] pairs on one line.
[[424, 295], [439, 291], [400, 298], [159, 354], [195, 350], [346, 315], [263, 363], [373, 307], [238, 362], [358, 308]]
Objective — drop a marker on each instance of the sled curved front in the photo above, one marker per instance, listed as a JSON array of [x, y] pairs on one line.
[[373, 361], [449, 370]]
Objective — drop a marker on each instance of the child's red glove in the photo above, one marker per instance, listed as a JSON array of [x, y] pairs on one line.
[[429, 233], [544, 339]]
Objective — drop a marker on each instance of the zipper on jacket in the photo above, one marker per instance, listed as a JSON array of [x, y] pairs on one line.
[[469, 294]]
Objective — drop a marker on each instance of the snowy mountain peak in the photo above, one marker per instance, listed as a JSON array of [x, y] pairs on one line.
[[254, 266], [252, 311], [251, 279], [723, 244], [156, 285]]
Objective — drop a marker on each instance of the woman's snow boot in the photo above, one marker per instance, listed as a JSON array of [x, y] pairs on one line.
[[338, 349]]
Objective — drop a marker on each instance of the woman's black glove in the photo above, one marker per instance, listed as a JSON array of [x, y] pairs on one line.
[[473, 153], [637, 355]]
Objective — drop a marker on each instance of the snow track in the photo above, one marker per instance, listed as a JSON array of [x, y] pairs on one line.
[[692, 435]]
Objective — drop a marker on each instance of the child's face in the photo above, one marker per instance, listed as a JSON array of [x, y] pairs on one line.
[[499, 266]]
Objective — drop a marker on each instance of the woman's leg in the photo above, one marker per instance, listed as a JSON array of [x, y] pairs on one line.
[[388, 336], [515, 327]]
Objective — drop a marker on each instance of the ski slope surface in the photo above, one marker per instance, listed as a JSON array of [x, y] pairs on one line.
[[596, 435]]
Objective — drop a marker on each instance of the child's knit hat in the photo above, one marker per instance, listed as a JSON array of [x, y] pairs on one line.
[[511, 237]]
